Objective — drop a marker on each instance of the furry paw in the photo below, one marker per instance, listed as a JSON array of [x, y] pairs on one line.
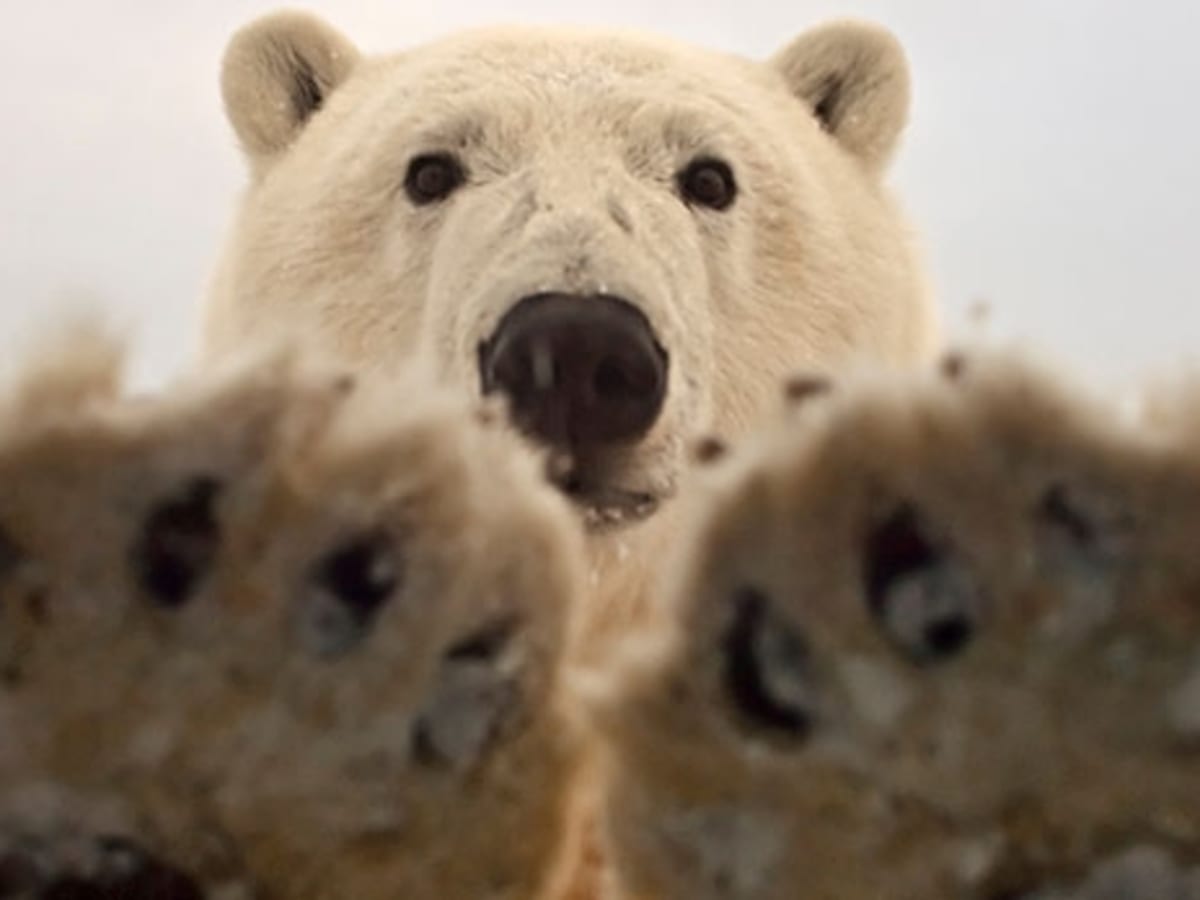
[[930, 639], [276, 635]]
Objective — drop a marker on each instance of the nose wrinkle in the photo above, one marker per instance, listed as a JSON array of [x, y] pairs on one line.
[[572, 221], [575, 270], [523, 211], [619, 214], [581, 193]]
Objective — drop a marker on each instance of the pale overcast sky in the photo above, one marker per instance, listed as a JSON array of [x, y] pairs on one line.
[[1050, 161]]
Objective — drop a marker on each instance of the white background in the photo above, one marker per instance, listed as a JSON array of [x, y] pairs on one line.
[[1050, 162]]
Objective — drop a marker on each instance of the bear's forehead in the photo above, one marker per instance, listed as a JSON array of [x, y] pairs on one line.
[[580, 63]]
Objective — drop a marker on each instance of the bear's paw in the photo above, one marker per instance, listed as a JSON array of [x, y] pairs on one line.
[[277, 634], [930, 636]]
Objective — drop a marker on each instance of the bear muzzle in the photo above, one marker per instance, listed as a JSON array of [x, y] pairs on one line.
[[582, 373]]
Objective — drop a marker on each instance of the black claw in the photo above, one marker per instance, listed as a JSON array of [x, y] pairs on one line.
[[764, 658], [179, 543]]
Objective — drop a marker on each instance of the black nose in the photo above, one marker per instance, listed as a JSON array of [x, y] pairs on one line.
[[580, 372]]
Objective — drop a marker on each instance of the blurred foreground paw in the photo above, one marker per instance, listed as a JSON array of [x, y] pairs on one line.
[[275, 634], [931, 638]]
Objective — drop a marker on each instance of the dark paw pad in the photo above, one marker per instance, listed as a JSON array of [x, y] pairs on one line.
[[927, 601], [475, 694], [348, 587], [21, 874], [178, 543], [116, 869], [1082, 529], [11, 555], [768, 671]]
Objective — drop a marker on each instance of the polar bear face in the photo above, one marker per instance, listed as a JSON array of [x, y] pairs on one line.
[[629, 239]]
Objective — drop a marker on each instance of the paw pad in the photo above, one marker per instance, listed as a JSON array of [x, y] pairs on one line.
[[178, 543], [476, 690], [995, 688], [11, 555], [923, 595], [768, 671], [110, 869], [1081, 529], [348, 587], [1142, 873], [301, 732]]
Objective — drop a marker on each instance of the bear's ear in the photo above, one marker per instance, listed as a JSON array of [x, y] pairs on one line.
[[854, 78], [276, 74]]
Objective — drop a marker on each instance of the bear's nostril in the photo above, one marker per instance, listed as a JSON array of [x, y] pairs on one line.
[[543, 369], [611, 380], [580, 372]]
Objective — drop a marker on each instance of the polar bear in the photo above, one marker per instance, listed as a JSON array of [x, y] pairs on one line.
[[352, 615], [310, 627], [632, 240]]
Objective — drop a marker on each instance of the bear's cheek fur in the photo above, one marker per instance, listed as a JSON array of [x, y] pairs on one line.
[[341, 270]]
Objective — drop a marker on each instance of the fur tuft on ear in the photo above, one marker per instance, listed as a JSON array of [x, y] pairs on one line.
[[276, 75], [854, 77]]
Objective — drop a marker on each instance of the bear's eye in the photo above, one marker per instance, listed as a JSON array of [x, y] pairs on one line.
[[708, 182], [433, 177]]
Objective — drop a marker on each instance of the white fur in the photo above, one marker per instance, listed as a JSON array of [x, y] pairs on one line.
[[572, 141]]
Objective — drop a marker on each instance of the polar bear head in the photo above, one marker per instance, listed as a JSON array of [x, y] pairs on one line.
[[632, 240]]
